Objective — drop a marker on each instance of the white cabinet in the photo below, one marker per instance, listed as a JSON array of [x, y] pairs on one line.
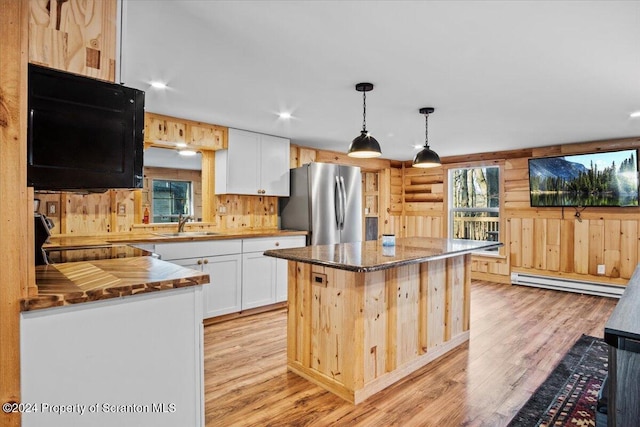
[[259, 280], [265, 278], [222, 260], [241, 277], [145, 350], [254, 164]]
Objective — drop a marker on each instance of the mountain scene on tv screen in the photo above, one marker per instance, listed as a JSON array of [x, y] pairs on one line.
[[604, 179]]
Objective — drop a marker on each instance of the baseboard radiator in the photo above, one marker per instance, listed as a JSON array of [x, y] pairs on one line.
[[569, 285]]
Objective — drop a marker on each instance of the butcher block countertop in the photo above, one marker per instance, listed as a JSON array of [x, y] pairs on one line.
[[372, 256], [84, 281], [162, 237], [78, 282]]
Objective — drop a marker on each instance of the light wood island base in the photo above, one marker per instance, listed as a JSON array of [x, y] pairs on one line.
[[354, 333]]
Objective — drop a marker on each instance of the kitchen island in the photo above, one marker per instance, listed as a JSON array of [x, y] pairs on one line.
[[363, 316]]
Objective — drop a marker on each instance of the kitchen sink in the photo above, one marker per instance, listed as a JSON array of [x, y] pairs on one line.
[[189, 234]]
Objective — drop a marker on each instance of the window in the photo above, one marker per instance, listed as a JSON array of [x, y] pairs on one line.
[[474, 196], [170, 199]]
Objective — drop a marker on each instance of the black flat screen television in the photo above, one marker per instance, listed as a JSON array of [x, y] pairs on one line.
[[83, 134], [606, 179]]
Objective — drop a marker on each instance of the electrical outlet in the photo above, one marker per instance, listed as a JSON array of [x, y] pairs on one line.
[[52, 208], [601, 269], [222, 209], [122, 209]]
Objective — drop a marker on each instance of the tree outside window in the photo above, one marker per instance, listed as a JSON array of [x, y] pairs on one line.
[[171, 199], [475, 203]]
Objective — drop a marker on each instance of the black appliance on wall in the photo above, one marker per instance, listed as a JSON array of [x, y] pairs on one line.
[[83, 134]]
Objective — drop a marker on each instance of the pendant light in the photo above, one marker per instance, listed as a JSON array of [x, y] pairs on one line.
[[364, 145], [426, 158]]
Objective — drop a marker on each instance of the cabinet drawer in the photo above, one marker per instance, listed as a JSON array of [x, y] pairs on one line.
[[169, 251], [261, 244]]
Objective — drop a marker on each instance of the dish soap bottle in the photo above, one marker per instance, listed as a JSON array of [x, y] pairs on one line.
[[145, 216]]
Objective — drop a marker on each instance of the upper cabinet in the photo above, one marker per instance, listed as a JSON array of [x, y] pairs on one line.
[[165, 130], [254, 164]]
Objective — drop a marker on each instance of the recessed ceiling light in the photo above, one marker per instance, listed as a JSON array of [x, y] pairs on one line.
[[635, 114], [158, 85], [187, 153], [285, 115]]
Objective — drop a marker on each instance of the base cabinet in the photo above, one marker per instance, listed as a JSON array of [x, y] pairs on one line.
[[223, 294], [132, 361], [259, 284], [264, 278], [241, 277], [222, 259]]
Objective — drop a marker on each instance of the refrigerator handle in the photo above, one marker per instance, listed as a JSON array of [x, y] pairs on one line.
[[338, 203], [344, 201]]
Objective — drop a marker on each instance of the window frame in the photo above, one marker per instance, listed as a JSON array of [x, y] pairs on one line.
[[171, 215], [500, 209]]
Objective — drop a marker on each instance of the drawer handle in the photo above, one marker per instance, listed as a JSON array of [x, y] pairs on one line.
[[277, 243], [206, 261], [199, 262]]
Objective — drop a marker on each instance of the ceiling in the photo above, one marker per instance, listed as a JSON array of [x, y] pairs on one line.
[[500, 74]]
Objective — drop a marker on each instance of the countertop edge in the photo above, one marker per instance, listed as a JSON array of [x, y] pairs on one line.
[[277, 253], [70, 242], [178, 277]]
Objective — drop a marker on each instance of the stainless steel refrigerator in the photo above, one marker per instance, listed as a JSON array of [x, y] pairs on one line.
[[325, 200]]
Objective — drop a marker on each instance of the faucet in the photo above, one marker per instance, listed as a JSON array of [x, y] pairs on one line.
[[182, 220]]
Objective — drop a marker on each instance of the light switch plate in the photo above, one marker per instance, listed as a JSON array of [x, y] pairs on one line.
[[601, 269]]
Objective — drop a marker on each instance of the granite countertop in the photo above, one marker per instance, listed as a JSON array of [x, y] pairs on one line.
[[162, 237], [372, 256], [85, 281]]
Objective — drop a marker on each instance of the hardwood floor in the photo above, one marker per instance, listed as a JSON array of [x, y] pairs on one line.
[[518, 335]]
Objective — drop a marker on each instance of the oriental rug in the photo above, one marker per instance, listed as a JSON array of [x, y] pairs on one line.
[[568, 397]]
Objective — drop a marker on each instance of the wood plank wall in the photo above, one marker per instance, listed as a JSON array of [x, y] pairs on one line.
[[543, 241], [553, 241], [69, 36], [15, 212]]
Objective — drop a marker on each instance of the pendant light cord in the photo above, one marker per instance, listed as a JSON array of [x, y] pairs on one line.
[[426, 130], [364, 111]]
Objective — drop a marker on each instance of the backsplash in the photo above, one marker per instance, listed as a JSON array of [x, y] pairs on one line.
[[115, 212]]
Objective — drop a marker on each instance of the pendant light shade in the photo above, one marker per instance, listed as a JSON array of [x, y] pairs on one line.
[[364, 145], [426, 158]]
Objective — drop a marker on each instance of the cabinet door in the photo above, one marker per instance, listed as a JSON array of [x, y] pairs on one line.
[[223, 293], [258, 280], [243, 162], [274, 171]]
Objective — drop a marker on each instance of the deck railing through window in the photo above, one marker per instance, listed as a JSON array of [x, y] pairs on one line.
[[480, 228]]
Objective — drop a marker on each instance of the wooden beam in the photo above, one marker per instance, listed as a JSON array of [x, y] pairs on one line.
[[14, 212]]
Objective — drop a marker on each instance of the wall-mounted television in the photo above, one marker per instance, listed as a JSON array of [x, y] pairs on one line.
[[605, 179], [83, 134]]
